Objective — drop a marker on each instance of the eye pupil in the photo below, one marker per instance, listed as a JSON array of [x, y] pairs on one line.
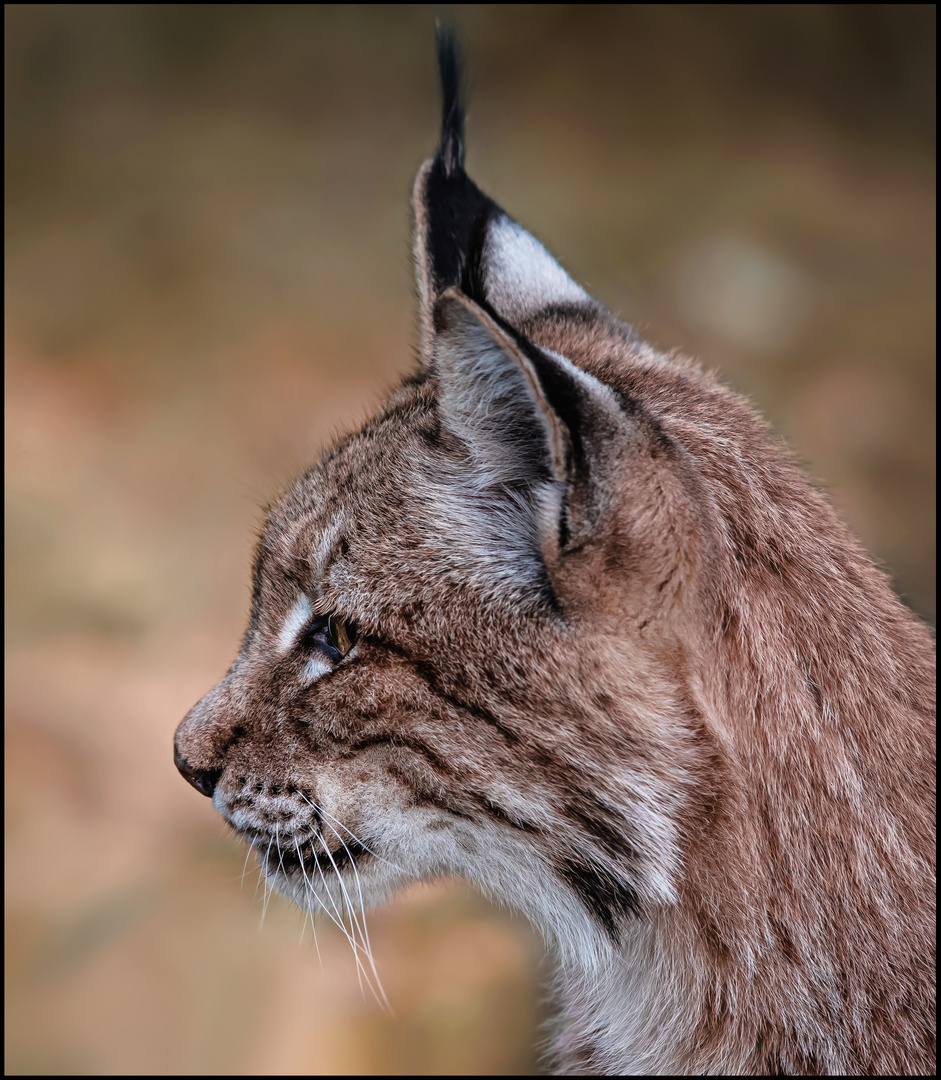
[[340, 634]]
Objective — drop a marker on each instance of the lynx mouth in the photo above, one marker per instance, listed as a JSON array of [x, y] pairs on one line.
[[276, 858]]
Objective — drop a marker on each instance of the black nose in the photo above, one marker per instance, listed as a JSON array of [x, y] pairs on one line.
[[204, 780]]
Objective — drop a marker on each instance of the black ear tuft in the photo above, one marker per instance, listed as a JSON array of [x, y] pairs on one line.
[[452, 103], [455, 210], [464, 240]]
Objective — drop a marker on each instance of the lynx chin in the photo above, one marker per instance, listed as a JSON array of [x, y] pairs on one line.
[[565, 620]]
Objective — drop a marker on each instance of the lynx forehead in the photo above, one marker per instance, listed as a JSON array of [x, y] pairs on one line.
[[563, 619]]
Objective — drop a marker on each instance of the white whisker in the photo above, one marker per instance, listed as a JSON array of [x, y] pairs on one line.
[[364, 932], [266, 892], [323, 813], [348, 920], [245, 867], [309, 912], [360, 970], [336, 919], [353, 922]]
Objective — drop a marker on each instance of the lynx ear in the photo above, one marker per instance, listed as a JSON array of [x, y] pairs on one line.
[[462, 238], [535, 425]]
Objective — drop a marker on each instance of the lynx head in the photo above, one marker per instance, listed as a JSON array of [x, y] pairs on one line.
[[520, 625], [444, 607], [563, 620]]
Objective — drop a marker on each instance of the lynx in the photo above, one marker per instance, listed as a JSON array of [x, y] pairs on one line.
[[565, 620]]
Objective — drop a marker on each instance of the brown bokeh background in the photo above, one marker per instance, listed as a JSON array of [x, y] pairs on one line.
[[208, 274]]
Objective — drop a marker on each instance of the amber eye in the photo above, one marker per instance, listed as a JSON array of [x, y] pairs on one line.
[[341, 635], [330, 635]]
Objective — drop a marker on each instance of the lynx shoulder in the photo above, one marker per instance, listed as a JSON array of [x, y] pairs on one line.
[[564, 620]]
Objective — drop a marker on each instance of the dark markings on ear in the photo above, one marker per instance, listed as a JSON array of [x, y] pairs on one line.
[[561, 389], [473, 278], [564, 524], [572, 400], [568, 399], [458, 211], [610, 901], [564, 395]]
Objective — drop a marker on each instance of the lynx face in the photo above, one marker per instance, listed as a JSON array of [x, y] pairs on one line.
[[416, 694], [564, 620]]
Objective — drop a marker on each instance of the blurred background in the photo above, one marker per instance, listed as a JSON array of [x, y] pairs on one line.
[[208, 275]]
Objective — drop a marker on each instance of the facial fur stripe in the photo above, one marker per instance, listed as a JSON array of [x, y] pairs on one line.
[[297, 619]]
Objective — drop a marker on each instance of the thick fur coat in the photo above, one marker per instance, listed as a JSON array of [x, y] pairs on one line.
[[564, 619]]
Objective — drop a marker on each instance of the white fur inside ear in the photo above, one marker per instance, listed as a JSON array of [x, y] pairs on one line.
[[602, 394], [520, 274], [488, 402]]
